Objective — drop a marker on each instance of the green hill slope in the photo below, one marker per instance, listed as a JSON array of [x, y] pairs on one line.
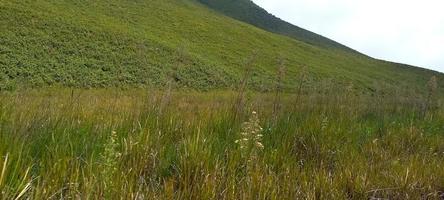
[[108, 43], [249, 12]]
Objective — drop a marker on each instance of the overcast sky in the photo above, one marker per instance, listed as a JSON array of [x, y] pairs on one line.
[[406, 31]]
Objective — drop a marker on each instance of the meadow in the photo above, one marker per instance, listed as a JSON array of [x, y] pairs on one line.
[[170, 99], [154, 144]]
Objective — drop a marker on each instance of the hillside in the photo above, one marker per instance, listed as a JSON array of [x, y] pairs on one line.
[[247, 11], [111, 43]]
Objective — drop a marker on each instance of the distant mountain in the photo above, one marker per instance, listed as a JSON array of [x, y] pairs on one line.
[[247, 11]]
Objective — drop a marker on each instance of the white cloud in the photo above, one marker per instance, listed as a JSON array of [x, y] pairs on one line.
[[406, 31]]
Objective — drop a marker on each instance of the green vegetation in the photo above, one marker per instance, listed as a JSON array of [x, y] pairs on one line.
[[142, 43], [247, 11], [161, 120], [139, 144]]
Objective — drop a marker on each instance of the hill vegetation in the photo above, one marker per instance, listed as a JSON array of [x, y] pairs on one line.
[[247, 11], [148, 43]]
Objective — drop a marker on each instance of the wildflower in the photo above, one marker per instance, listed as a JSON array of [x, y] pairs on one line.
[[259, 145], [251, 136], [110, 157]]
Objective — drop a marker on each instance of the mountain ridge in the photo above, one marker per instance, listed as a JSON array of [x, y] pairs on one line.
[[251, 13]]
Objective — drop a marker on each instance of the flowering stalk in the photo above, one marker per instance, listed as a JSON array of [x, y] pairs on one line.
[[110, 158], [251, 138]]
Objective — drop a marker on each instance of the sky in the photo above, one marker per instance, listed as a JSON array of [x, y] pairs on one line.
[[404, 31]]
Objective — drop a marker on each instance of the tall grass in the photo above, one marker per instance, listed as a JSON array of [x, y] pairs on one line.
[[240, 99], [280, 76], [99, 145]]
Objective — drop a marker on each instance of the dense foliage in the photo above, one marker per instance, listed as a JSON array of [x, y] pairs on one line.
[[148, 43]]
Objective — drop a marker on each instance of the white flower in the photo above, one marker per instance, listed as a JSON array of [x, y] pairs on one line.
[[251, 136], [259, 145]]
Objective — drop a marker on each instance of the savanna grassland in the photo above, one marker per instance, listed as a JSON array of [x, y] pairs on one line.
[[149, 144]]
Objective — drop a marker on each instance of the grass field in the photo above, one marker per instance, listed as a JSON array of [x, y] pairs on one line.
[[148, 144], [168, 99]]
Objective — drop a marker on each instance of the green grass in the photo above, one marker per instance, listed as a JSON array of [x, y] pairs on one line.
[[142, 144], [347, 126], [112, 43]]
